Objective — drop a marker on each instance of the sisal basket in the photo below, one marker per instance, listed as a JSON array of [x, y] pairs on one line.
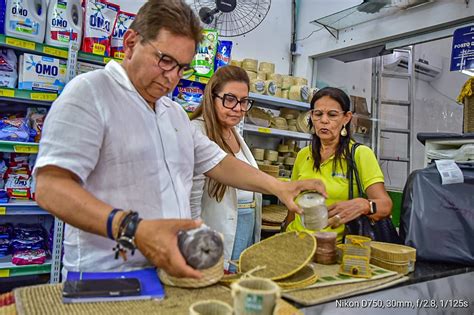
[[300, 81], [267, 67], [302, 122], [303, 278], [261, 75], [271, 256], [283, 148], [274, 213], [271, 155], [252, 75], [275, 77], [289, 161], [210, 307], [255, 296], [258, 153], [398, 254], [250, 64], [403, 268], [236, 63], [210, 276]]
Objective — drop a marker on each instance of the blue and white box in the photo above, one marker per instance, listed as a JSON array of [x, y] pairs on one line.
[[41, 73]]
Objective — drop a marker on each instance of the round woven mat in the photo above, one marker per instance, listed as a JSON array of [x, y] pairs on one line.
[[274, 213], [279, 256], [210, 276], [303, 278]]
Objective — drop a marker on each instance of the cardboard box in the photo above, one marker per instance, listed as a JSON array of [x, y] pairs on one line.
[[359, 105], [361, 124], [41, 73]]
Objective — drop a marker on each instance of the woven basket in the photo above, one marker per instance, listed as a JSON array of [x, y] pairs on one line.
[[468, 114], [269, 168], [271, 155], [210, 307], [272, 255], [283, 148], [302, 122], [210, 276], [258, 153], [393, 253], [274, 213], [403, 268]]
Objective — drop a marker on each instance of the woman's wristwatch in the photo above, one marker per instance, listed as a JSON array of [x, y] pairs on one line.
[[372, 207]]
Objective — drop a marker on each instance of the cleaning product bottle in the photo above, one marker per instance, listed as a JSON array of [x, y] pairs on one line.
[[26, 19], [2, 16], [64, 22]]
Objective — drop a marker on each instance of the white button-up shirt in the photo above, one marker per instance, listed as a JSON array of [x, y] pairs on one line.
[[125, 154]]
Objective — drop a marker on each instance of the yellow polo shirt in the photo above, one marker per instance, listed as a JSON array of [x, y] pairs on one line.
[[337, 185]]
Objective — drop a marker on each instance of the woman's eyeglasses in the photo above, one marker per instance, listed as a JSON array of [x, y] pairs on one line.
[[317, 114], [230, 101]]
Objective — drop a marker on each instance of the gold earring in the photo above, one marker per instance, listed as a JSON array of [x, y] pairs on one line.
[[344, 131]]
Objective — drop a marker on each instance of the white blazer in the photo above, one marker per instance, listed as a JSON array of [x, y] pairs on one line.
[[222, 216]]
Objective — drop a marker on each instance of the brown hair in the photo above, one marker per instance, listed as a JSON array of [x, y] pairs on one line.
[[173, 15], [207, 110]]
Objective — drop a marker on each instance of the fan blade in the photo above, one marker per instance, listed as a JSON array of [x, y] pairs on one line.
[[207, 15]]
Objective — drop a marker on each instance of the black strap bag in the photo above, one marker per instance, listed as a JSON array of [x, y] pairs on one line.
[[382, 230]]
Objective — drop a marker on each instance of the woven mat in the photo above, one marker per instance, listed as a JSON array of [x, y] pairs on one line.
[[329, 293], [47, 299], [274, 213]]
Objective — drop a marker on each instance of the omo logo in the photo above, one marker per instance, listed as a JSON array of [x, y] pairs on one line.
[[17, 9], [42, 69], [120, 29], [58, 20], [97, 19]]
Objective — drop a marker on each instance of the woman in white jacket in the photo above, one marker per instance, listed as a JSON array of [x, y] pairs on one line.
[[235, 213]]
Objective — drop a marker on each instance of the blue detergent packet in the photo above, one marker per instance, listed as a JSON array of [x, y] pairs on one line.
[[224, 50], [188, 94]]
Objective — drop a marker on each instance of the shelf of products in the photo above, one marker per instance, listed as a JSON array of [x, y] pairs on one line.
[[19, 147], [276, 132], [277, 102], [37, 98], [7, 269], [21, 207]]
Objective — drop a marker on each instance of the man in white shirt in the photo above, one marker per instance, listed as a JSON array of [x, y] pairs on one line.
[[113, 142]]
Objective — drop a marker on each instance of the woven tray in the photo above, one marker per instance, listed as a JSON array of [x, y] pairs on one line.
[[272, 255], [320, 295], [303, 278], [274, 213], [47, 299]]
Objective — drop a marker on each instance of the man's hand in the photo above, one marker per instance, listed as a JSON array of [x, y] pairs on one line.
[[287, 191], [157, 240]]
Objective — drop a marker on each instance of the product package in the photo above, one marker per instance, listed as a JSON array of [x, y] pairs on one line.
[[15, 129], [8, 68], [124, 20], [223, 55], [203, 62], [188, 94], [29, 257], [42, 73], [99, 23]]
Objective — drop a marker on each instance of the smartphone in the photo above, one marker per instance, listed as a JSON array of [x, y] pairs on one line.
[[101, 288]]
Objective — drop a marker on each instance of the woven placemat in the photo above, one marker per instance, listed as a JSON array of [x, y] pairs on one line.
[[324, 294], [47, 299], [274, 213], [279, 256], [8, 310]]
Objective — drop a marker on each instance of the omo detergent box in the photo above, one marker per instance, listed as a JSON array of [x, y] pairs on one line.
[[41, 73], [203, 62]]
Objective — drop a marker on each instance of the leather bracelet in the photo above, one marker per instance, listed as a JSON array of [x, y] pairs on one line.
[[127, 230], [110, 219]]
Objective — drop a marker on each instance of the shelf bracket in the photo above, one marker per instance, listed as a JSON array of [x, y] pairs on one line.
[[334, 32]]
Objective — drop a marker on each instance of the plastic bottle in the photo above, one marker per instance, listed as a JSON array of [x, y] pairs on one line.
[[63, 16], [26, 19]]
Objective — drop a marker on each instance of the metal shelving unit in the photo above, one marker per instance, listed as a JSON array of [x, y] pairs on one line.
[[272, 132], [277, 102], [28, 207]]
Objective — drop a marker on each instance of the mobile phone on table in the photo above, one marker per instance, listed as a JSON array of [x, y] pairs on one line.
[[101, 288]]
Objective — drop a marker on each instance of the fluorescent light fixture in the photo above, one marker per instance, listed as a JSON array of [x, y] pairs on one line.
[[468, 72]]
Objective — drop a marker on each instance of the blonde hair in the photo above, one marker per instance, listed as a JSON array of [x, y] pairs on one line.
[[213, 127]]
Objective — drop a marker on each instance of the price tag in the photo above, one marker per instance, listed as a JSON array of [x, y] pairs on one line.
[[20, 43], [3, 210], [7, 93], [43, 96], [119, 55], [107, 59], [55, 52], [264, 130], [4, 273], [25, 149], [98, 49]]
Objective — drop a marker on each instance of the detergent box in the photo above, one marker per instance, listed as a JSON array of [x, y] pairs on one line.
[[41, 73]]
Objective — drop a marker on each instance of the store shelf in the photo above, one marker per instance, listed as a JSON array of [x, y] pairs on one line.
[[277, 102], [276, 132], [37, 98], [32, 47], [395, 102], [197, 79], [7, 269], [394, 159], [97, 59], [19, 147], [21, 207], [395, 130]]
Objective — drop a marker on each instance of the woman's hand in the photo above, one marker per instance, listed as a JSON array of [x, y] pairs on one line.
[[287, 191], [157, 240], [346, 211]]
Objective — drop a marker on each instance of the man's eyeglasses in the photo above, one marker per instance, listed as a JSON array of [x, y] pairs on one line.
[[317, 114], [230, 101], [168, 63]]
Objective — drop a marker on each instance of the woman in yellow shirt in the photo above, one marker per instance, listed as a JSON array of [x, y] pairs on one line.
[[327, 159]]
